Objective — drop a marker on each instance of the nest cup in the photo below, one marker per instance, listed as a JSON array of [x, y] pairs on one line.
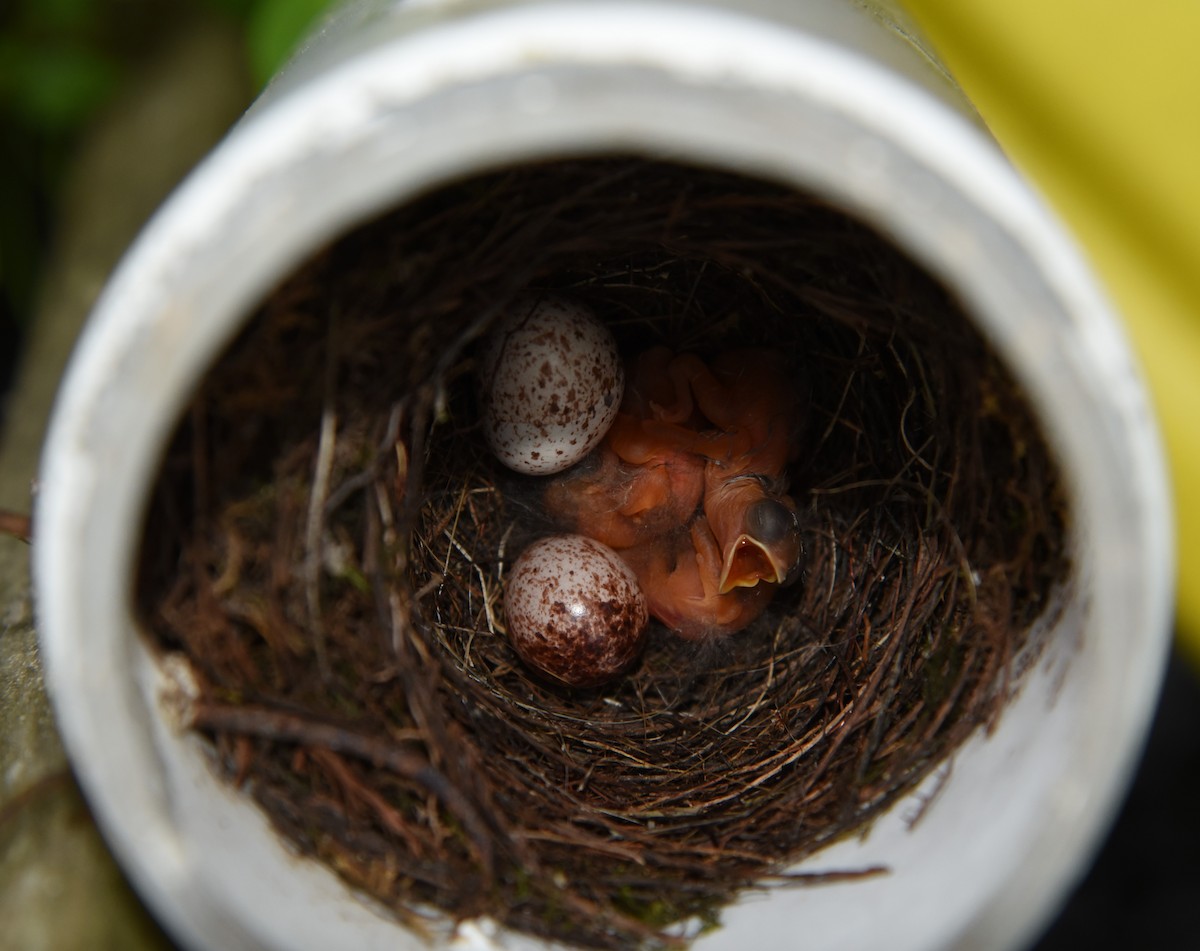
[[309, 301]]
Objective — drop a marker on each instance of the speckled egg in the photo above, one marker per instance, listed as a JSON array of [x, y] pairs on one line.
[[550, 382], [575, 611]]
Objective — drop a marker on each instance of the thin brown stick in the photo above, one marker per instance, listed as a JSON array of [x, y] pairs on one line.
[[16, 524], [22, 800], [279, 727]]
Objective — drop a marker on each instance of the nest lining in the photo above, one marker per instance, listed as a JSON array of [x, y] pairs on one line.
[[329, 540]]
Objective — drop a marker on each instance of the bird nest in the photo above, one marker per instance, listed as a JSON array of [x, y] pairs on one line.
[[330, 535]]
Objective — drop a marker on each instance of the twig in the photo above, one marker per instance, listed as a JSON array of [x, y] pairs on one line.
[[315, 525], [279, 727], [829, 878], [22, 800], [17, 525]]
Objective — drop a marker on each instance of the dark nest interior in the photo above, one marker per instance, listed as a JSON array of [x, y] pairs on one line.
[[329, 539]]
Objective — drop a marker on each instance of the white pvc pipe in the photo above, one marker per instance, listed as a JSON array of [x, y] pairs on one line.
[[392, 99]]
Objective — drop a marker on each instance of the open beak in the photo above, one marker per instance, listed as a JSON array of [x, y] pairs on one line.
[[767, 548]]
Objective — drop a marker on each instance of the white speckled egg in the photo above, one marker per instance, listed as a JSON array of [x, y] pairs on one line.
[[575, 610], [550, 383]]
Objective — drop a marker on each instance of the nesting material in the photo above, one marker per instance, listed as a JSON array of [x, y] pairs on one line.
[[330, 539]]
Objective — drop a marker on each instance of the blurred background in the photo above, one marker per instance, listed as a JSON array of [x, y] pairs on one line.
[[63, 65], [104, 105]]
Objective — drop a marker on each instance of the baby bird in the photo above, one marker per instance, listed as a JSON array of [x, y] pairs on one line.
[[624, 498], [688, 486], [679, 574]]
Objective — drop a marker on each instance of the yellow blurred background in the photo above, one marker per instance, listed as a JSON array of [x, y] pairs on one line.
[[1098, 102]]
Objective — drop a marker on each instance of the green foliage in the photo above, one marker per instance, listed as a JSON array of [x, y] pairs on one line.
[[238, 9], [54, 87], [55, 67], [61, 61], [275, 27], [56, 14]]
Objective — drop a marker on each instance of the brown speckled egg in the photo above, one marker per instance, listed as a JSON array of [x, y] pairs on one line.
[[575, 610], [550, 383]]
